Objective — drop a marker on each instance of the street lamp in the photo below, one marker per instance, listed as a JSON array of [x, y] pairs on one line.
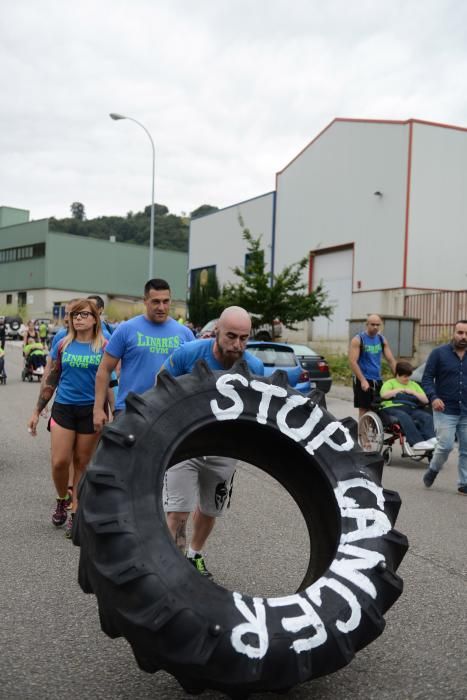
[[116, 117]]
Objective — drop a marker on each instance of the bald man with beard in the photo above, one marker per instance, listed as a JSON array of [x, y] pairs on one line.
[[203, 485], [365, 355]]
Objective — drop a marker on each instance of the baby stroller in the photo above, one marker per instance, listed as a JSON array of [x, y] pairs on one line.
[[2, 367], [34, 362]]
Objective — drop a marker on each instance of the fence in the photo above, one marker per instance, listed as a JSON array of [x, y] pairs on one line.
[[438, 312]]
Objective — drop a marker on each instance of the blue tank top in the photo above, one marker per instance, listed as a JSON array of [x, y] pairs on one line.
[[370, 356]]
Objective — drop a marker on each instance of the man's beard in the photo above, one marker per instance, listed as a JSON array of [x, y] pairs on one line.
[[460, 344], [228, 358]]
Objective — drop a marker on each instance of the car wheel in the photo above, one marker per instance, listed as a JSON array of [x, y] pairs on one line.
[[175, 619]]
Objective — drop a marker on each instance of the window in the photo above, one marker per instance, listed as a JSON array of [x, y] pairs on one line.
[[9, 298], [25, 252]]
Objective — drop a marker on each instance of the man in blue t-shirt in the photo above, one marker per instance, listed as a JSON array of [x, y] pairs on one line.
[[141, 344], [203, 485], [365, 353]]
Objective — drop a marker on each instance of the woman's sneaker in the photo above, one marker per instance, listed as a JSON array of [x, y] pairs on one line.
[[60, 513]]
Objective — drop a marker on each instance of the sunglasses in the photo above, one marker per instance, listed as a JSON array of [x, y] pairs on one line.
[[83, 314]]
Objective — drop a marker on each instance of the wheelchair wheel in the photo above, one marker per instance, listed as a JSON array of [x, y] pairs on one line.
[[370, 433]]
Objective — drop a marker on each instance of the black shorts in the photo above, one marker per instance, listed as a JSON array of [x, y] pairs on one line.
[[71, 417], [364, 399]]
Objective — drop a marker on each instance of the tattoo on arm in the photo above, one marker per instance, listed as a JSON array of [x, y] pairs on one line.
[[48, 386]]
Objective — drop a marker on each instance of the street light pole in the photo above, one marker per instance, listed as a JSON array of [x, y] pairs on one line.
[[116, 117]]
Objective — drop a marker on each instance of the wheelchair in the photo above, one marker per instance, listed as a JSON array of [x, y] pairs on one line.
[[378, 432]]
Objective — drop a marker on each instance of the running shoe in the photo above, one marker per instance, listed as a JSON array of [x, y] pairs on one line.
[[59, 515], [429, 477], [69, 526], [200, 565]]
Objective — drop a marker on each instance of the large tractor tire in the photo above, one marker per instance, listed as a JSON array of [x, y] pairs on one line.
[[175, 619]]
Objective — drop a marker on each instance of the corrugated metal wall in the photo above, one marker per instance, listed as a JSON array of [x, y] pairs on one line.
[[438, 312]]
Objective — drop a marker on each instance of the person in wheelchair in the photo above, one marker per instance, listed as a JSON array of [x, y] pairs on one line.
[[403, 402]]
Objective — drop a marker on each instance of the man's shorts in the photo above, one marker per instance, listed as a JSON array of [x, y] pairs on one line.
[[364, 399], [203, 481], [71, 417]]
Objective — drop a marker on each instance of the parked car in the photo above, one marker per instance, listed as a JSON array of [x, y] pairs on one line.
[[13, 327], [207, 331], [417, 374], [316, 365], [260, 333], [281, 356]]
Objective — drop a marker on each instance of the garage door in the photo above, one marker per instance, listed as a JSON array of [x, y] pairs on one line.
[[334, 270]]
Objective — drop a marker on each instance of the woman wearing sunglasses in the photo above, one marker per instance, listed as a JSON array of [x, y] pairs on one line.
[[75, 361]]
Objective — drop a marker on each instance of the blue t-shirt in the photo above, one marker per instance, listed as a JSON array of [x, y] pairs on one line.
[[79, 364], [184, 359], [59, 335], [143, 346], [370, 356]]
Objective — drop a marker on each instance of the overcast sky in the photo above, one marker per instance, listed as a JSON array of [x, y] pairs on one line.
[[231, 91]]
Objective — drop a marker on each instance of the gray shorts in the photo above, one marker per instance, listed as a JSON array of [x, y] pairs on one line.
[[203, 481]]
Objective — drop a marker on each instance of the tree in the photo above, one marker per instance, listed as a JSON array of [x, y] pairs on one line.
[[203, 210], [203, 303], [77, 211], [170, 231], [283, 297], [159, 210]]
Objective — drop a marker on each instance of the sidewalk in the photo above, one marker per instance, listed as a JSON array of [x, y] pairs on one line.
[[339, 391]]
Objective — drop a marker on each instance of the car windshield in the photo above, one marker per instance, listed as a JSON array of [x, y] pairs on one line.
[[274, 357], [303, 350]]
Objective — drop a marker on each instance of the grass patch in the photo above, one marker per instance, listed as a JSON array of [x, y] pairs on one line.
[[340, 370]]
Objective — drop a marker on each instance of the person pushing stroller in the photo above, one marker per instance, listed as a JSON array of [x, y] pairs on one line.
[[34, 360]]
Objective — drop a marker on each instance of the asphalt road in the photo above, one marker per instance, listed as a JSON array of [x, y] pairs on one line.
[[51, 644]]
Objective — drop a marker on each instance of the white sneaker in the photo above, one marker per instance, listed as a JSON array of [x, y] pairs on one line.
[[434, 441], [424, 445]]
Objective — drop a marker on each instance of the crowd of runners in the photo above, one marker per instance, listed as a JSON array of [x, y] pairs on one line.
[[89, 371], [92, 366]]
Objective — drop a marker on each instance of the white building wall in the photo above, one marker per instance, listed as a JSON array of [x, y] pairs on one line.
[[216, 239], [437, 242], [325, 197], [386, 303]]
